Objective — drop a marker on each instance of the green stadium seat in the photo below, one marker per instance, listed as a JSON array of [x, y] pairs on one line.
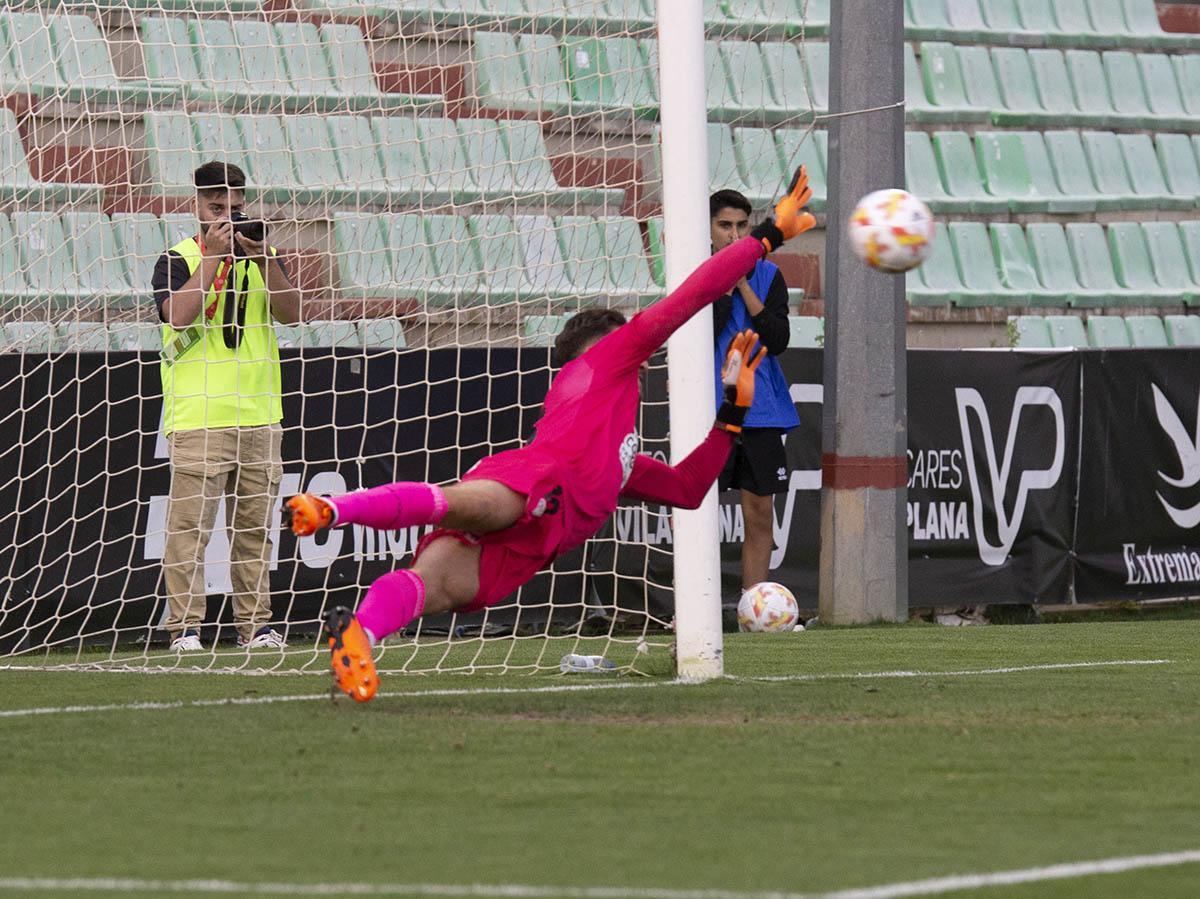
[[364, 263], [448, 173], [487, 157], [1182, 330], [758, 160], [456, 265], [1127, 91], [141, 241], [632, 83], [942, 75], [17, 184], [629, 272], [806, 331], [171, 153], [1187, 74], [31, 53], [219, 138], [928, 20], [220, 62], [1094, 266], [350, 61], [49, 268], [1146, 331], [720, 98], [1108, 19], [1162, 90], [314, 157], [581, 244], [749, 81], [977, 266], [1108, 332], [312, 80], [135, 336], [1134, 267], [1055, 267], [178, 226], [532, 173], [1141, 16], [1067, 331], [1072, 24], [1053, 84], [967, 20], [1015, 165], [412, 262], [1090, 87], [1015, 265], [1029, 332], [87, 69], [1004, 20], [99, 263], [404, 164], [590, 75], [788, 66], [541, 330], [332, 334], [723, 171], [168, 56], [796, 150], [82, 337], [1169, 259], [1072, 171], [979, 76], [32, 337], [383, 333], [917, 105], [654, 237], [358, 158], [13, 288], [1141, 162], [1189, 233], [960, 173], [519, 72], [1022, 103], [502, 259], [1107, 163], [938, 281], [272, 175], [778, 18], [922, 178], [544, 266], [266, 73]]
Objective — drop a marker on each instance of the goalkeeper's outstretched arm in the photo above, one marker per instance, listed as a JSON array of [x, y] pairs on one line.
[[685, 485], [634, 343]]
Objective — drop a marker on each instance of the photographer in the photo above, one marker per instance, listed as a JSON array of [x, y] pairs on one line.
[[216, 295]]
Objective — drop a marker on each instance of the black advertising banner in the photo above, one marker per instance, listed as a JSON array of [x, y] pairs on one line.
[[992, 442], [1139, 493], [995, 457]]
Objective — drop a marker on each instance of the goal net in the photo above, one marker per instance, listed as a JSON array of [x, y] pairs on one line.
[[446, 183]]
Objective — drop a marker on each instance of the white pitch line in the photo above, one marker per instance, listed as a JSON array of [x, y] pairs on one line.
[[928, 887], [557, 688]]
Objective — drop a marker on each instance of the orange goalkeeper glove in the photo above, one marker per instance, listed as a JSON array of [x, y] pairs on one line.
[[307, 513], [737, 376], [790, 217]]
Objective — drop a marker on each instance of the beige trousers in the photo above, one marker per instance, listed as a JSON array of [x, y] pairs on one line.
[[244, 465]]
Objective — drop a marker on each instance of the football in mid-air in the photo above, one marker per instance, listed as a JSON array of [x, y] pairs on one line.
[[767, 607], [891, 230]]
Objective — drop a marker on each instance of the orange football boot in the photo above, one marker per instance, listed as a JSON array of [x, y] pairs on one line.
[[350, 655]]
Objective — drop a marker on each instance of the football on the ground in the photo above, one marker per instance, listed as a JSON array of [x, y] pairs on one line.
[[891, 230], [767, 607]]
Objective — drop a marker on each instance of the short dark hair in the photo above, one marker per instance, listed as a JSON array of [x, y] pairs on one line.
[[581, 329], [728, 199], [218, 176]]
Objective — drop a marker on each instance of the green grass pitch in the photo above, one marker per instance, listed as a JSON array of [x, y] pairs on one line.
[[744, 785]]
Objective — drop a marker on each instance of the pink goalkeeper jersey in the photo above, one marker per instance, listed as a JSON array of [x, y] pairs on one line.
[[588, 430]]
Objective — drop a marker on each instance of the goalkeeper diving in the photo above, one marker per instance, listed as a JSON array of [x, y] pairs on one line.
[[513, 513]]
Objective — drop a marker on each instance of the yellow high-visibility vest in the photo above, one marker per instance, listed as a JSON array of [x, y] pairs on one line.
[[206, 384]]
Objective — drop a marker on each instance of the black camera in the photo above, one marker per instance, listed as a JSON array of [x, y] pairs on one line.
[[251, 229]]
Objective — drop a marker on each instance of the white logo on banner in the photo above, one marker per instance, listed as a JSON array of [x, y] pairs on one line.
[[1188, 448], [1007, 526]]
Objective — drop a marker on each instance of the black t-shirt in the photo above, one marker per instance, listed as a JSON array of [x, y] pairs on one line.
[[171, 273]]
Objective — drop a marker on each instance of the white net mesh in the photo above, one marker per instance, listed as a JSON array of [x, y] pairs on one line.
[[446, 183]]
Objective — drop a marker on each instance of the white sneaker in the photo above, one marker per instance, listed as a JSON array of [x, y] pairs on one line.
[[188, 641], [264, 638]]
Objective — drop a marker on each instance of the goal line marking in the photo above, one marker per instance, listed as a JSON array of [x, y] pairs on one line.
[[928, 887], [555, 688]]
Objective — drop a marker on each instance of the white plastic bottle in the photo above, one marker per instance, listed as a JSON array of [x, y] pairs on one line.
[[576, 664]]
